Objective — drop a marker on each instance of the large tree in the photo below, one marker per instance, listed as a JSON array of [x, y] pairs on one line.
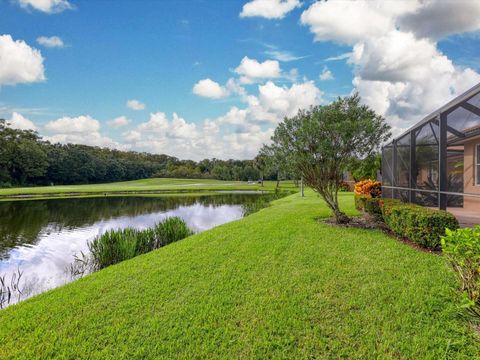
[[319, 144]]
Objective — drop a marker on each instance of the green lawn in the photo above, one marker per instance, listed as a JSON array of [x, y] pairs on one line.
[[277, 284], [144, 185]]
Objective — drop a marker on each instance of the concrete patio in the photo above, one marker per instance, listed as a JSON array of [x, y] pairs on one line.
[[466, 218]]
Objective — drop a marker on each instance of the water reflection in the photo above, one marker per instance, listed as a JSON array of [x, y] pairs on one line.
[[41, 237]]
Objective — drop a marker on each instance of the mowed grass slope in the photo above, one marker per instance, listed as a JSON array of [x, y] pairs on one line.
[[146, 185], [277, 284]]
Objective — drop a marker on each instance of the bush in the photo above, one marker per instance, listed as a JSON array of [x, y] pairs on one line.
[[373, 207], [115, 246], [462, 248], [421, 225], [360, 201], [369, 188], [170, 230], [367, 193]]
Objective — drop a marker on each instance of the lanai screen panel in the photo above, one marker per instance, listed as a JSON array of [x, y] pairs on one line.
[[462, 123], [387, 166], [402, 173], [426, 156]]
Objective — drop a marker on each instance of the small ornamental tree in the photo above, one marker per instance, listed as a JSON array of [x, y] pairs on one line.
[[320, 143]]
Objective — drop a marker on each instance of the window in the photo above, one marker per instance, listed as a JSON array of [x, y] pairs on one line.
[[477, 164]]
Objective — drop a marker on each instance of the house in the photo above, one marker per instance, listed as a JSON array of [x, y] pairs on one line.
[[437, 161]]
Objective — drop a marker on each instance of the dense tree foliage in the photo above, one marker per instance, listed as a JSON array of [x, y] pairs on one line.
[[366, 168], [320, 144], [26, 159]]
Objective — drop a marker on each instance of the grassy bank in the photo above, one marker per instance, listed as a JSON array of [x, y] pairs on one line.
[[143, 186], [277, 284]]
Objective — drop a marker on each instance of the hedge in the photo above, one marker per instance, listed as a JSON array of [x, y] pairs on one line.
[[417, 223], [369, 205]]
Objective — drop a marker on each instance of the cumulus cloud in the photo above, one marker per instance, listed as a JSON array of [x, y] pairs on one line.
[[326, 74], [50, 42], [350, 21], [210, 89], [251, 70], [135, 105], [177, 128], [19, 63], [132, 136], [398, 68], [270, 9], [119, 122], [239, 133], [436, 19], [18, 121], [83, 124], [79, 130], [46, 6], [93, 139]]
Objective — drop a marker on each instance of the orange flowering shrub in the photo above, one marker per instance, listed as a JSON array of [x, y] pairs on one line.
[[369, 188]]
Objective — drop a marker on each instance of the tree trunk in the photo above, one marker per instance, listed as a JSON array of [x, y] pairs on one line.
[[340, 217], [332, 203]]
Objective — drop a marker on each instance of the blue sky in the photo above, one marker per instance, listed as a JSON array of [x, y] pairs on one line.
[[70, 67]]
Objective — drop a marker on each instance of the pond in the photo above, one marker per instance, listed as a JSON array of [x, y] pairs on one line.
[[39, 238]]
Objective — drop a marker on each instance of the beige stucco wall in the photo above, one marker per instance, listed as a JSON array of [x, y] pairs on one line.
[[469, 176]]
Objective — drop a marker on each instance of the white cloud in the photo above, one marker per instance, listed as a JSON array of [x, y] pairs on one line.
[[250, 70], [326, 74], [132, 136], [79, 130], [281, 55], [209, 88], [436, 19], [237, 134], [344, 56], [270, 9], [19, 63], [351, 21], [18, 121], [50, 42], [83, 124], [398, 69], [93, 139], [283, 101], [46, 6], [135, 105], [119, 122], [177, 128]]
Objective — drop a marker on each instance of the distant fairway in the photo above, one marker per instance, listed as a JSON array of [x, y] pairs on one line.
[[155, 185]]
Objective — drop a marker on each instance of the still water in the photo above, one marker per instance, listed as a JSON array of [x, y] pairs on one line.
[[39, 238]]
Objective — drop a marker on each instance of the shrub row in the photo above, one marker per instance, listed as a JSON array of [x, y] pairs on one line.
[[417, 223], [118, 245]]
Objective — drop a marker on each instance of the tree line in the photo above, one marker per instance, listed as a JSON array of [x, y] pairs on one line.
[[27, 159]]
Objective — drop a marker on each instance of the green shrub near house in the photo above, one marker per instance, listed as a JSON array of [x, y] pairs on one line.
[[417, 223], [422, 225]]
